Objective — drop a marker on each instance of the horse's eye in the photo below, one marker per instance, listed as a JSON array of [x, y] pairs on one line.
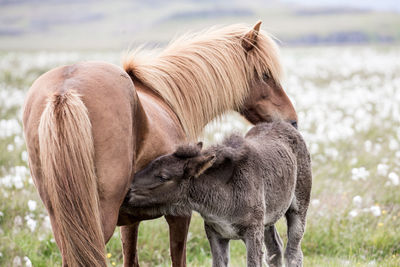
[[265, 76]]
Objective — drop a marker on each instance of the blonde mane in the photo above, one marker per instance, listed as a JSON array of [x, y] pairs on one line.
[[202, 75]]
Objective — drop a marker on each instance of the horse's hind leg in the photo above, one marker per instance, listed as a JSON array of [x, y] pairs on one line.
[[296, 222], [274, 246]]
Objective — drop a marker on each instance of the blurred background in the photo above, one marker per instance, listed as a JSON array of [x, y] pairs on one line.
[[90, 24], [342, 72]]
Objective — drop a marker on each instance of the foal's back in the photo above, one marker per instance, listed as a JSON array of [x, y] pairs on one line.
[[275, 147], [278, 138], [279, 144]]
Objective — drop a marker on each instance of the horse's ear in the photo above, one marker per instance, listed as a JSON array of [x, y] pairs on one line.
[[199, 165], [250, 39]]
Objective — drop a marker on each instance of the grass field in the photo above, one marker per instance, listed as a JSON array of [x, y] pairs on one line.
[[349, 113]]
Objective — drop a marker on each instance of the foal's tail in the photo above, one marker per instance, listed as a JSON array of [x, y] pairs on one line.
[[67, 161]]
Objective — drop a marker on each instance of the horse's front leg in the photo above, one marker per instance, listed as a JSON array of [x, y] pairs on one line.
[[178, 231], [129, 235]]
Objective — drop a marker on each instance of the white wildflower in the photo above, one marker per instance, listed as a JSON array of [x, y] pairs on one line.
[[394, 178], [31, 223], [46, 222], [18, 141], [32, 205], [353, 213], [10, 147], [393, 145], [359, 173], [24, 156], [382, 169], [18, 183], [315, 202], [375, 210], [332, 152], [368, 145], [357, 200], [377, 148], [314, 147], [9, 128]]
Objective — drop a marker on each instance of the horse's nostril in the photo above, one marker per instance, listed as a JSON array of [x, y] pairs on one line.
[[294, 123]]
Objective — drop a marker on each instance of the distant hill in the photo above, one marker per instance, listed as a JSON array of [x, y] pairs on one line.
[[120, 24]]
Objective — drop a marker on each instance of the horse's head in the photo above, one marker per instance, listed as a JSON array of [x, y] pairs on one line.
[[266, 101]]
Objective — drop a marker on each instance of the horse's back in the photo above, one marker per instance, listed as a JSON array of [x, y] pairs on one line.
[[110, 99]]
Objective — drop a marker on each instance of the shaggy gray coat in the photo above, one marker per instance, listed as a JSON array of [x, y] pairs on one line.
[[241, 188]]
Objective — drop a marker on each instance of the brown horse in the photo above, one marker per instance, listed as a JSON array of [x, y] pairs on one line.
[[90, 126]]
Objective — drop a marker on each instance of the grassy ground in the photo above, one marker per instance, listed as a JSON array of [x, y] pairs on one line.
[[347, 100]]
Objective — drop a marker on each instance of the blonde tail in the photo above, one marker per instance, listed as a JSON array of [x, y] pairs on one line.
[[67, 161]]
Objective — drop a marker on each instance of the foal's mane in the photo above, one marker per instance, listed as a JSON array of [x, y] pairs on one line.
[[202, 75]]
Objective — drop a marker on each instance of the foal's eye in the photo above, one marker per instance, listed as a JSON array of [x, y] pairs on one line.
[[162, 177], [265, 76]]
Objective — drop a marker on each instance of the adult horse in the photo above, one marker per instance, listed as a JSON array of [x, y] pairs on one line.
[[90, 126]]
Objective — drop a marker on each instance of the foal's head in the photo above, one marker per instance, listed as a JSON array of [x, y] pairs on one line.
[[266, 101], [164, 181]]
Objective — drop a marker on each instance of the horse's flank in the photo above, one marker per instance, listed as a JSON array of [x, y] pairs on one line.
[[204, 74]]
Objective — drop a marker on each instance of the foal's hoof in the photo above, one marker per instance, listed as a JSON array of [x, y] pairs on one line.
[[274, 261], [294, 263]]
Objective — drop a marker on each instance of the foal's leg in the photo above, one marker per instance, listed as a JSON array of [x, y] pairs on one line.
[[178, 231], [219, 247], [274, 246], [254, 246], [129, 235], [296, 222]]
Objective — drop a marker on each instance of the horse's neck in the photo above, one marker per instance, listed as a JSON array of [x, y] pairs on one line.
[[159, 129]]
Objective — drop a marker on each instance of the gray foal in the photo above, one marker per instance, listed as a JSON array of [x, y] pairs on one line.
[[241, 188]]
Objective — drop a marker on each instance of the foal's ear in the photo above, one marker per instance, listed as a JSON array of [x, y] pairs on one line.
[[199, 145], [199, 165], [250, 39]]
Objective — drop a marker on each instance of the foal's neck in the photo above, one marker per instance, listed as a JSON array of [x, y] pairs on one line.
[[208, 194]]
